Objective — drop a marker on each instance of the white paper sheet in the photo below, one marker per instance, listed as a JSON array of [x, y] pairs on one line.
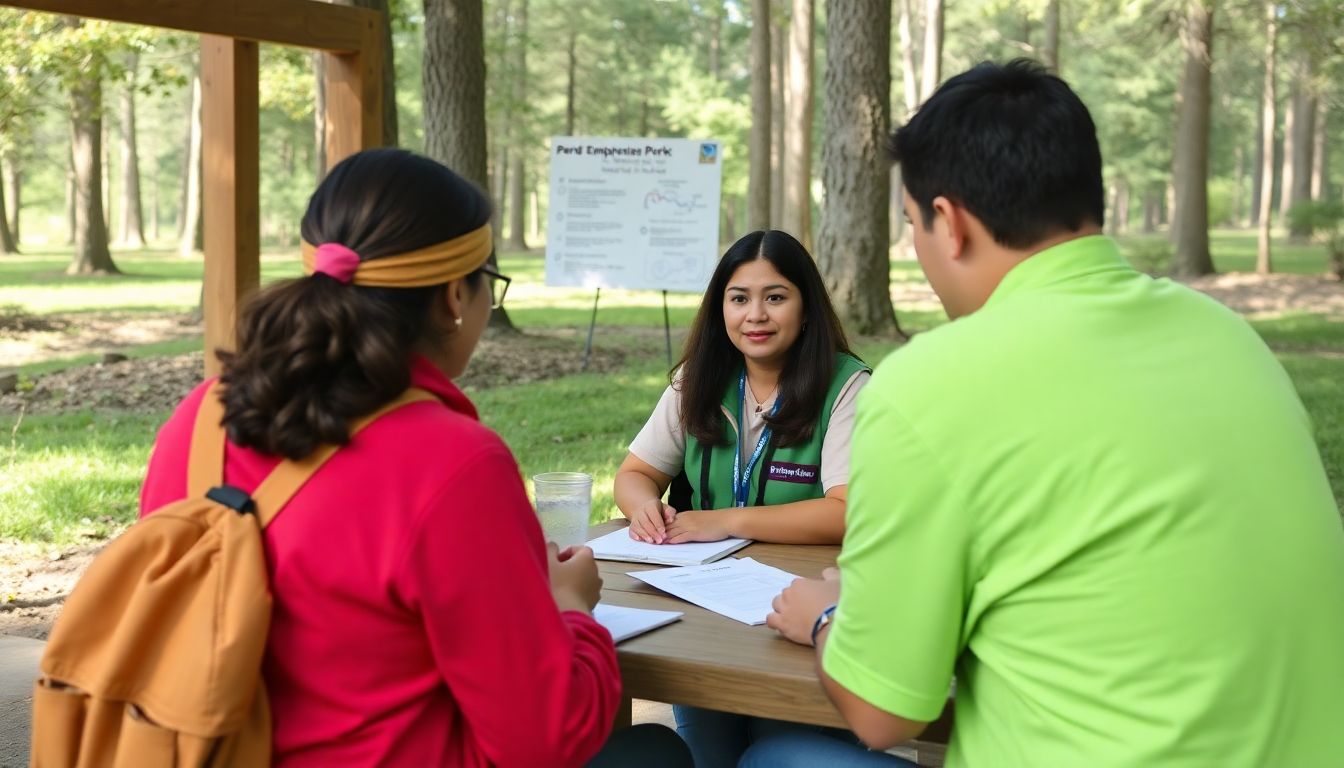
[[739, 588], [624, 623], [618, 545]]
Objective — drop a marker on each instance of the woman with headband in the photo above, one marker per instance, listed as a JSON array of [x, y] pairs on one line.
[[419, 618]]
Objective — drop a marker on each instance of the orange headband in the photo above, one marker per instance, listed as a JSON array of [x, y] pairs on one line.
[[432, 265]]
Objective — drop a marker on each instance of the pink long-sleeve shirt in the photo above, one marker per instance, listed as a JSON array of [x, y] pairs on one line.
[[413, 623]]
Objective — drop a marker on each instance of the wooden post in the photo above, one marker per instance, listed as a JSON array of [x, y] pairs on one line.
[[230, 156], [355, 98]]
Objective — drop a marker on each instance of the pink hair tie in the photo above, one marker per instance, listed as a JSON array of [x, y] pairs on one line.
[[336, 260]]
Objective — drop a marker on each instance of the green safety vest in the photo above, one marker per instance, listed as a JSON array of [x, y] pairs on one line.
[[781, 475]]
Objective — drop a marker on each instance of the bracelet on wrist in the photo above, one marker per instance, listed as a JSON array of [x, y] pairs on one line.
[[822, 622]]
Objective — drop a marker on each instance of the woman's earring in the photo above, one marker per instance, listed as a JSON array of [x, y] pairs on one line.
[[458, 320]]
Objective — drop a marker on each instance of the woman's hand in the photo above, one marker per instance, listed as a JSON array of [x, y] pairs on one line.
[[700, 525], [575, 583], [649, 521]]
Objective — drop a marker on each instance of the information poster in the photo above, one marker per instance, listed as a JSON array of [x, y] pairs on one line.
[[633, 213]]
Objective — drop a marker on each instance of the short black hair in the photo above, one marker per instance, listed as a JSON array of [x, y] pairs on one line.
[[1014, 145]]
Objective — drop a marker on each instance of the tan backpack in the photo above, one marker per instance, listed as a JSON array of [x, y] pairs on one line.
[[156, 657]]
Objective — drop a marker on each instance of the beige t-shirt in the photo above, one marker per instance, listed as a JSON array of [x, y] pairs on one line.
[[662, 445]]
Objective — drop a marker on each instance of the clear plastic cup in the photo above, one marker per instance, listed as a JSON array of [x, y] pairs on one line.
[[564, 503]]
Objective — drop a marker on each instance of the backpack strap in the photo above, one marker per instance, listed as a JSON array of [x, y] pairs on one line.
[[205, 468], [205, 459]]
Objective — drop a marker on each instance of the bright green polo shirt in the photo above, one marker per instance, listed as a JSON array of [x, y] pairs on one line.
[[1098, 500]]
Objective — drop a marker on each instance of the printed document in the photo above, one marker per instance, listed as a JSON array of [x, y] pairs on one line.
[[618, 545], [624, 623], [739, 588]]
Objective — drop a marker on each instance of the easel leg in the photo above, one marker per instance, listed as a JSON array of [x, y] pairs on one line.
[[667, 330], [588, 347]]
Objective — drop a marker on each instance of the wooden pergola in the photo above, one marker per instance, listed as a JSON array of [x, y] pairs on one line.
[[230, 31]]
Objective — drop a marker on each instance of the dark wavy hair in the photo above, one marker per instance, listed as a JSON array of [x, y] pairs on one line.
[[710, 362], [314, 353]]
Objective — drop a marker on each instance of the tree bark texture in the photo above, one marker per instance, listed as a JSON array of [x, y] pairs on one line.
[[909, 77], [190, 232], [1050, 48], [571, 66], [1304, 126], [454, 82], [86, 135], [1264, 259], [758, 182], [852, 241], [518, 157], [1190, 219], [13, 181], [1289, 136], [778, 72], [933, 48], [8, 243], [132, 214], [1258, 165], [797, 219], [1319, 160]]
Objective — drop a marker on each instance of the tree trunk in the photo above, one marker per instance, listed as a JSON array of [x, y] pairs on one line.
[[933, 47], [154, 207], [454, 96], [1190, 219], [798, 126], [1239, 160], [86, 133], [1304, 126], [132, 214], [1121, 206], [13, 181], [571, 65], [758, 183], [320, 114], [1258, 166], [1050, 49], [909, 77], [518, 172], [853, 251], [7, 240], [778, 73], [715, 39], [1150, 209], [70, 195], [1289, 136], [1320, 164], [107, 174], [1264, 262], [535, 206], [190, 232]]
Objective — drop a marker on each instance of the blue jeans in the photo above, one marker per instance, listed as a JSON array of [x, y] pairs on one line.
[[808, 750], [721, 739]]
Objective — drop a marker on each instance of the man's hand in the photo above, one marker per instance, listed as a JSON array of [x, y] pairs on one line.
[[699, 525], [649, 522], [796, 608]]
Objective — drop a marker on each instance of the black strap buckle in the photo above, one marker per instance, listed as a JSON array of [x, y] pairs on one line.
[[234, 498]]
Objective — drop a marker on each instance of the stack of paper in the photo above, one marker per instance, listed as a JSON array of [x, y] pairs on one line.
[[624, 623], [618, 545], [739, 588]]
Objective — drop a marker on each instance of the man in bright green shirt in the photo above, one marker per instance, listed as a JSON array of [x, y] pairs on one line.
[[1093, 497]]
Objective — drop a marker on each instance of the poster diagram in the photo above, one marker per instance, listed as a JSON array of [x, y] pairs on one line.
[[633, 213]]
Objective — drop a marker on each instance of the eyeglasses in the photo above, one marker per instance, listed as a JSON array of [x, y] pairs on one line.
[[499, 286]]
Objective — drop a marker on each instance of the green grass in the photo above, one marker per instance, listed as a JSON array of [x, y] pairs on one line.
[[156, 349], [1234, 250], [67, 478]]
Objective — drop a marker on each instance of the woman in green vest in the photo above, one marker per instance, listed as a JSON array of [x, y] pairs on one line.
[[766, 359], [752, 435]]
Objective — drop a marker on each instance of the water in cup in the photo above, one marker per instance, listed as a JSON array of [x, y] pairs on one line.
[[564, 502]]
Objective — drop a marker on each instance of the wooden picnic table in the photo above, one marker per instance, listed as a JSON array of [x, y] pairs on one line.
[[709, 660]]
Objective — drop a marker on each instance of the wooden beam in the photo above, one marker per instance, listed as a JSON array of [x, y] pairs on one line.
[[231, 157], [302, 23], [355, 98]]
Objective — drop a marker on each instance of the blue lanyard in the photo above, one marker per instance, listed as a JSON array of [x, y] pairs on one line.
[[741, 481]]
